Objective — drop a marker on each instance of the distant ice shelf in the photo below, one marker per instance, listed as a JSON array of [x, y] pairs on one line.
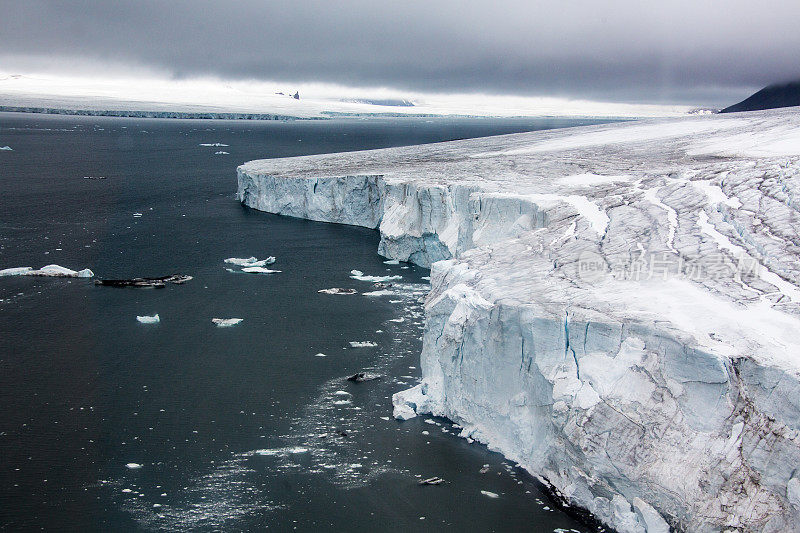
[[614, 307]]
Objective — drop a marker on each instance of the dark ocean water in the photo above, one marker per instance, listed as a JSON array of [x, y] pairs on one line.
[[240, 428]]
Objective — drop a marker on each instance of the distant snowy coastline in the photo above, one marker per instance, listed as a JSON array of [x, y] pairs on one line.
[[210, 99]]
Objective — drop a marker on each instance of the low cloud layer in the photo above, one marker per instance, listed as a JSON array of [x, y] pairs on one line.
[[677, 50]]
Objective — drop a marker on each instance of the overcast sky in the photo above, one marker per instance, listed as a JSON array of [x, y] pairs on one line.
[[665, 51]]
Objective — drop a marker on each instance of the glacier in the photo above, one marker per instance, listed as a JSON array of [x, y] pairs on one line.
[[612, 307]]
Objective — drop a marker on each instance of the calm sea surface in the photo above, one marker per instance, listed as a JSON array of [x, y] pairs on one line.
[[239, 428]]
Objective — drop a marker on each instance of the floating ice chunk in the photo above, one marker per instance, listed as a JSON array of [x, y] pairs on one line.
[[362, 344], [258, 270], [342, 393], [52, 271], [6, 149], [133, 466], [16, 271], [226, 322], [149, 319], [320, 355], [398, 320], [338, 290], [490, 494], [221, 153], [391, 262], [360, 276], [250, 261], [137, 215], [214, 144], [382, 292]]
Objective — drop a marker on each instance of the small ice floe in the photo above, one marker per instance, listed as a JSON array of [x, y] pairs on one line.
[[338, 290], [250, 261], [342, 402], [221, 153], [431, 481], [258, 270], [490, 494], [484, 469], [214, 144], [6, 149], [362, 344], [137, 215], [133, 466], [149, 320], [398, 320], [320, 355], [391, 262], [360, 276], [363, 376], [94, 177], [342, 393], [226, 322], [51, 271]]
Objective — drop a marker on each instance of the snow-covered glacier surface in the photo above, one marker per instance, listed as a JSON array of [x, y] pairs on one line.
[[614, 307]]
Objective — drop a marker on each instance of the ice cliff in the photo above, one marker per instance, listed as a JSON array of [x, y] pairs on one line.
[[614, 307]]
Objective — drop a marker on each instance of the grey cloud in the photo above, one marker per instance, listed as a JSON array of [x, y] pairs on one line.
[[619, 49]]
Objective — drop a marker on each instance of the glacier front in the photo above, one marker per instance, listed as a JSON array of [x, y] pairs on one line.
[[613, 307]]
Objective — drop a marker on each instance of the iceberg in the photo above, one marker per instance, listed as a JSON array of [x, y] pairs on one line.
[[614, 308], [52, 271], [155, 319], [6, 148]]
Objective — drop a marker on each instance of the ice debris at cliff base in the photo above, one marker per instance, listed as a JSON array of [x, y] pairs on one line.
[[52, 271], [360, 276]]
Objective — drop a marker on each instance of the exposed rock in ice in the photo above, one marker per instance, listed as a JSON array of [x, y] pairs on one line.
[[226, 322], [250, 261], [362, 344], [630, 341], [154, 319], [53, 271]]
